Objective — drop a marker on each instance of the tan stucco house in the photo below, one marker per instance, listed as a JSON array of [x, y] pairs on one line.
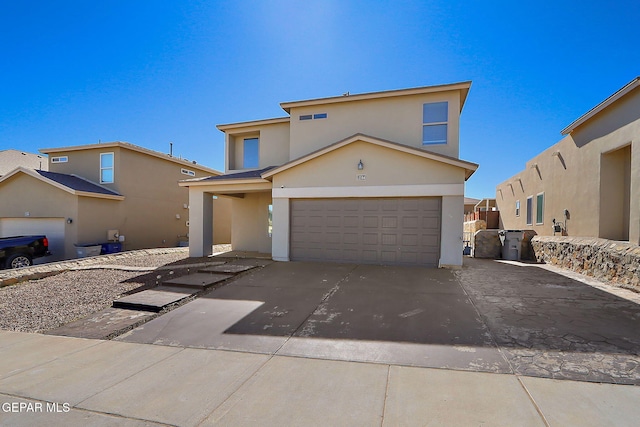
[[101, 192], [11, 159], [371, 178], [589, 182]]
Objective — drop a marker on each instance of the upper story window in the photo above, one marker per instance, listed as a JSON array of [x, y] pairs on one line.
[[315, 116], [61, 159], [435, 116], [187, 172], [540, 208], [106, 168], [250, 157], [530, 210], [517, 207]]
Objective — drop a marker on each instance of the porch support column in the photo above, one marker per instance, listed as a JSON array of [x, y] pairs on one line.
[[451, 231], [280, 233], [200, 223]]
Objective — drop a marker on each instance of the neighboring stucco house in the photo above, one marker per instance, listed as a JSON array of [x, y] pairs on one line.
[[371, 178], [93, 193], [11, 159], [589, 182]]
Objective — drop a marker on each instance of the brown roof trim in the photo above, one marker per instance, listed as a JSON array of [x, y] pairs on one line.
[[469, 167], [133, 147], [633, 84], [230, 126], [463, 87]]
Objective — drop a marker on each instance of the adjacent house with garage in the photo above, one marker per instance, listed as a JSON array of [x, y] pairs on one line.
[[104, 192], [368, 178], [588, 184]]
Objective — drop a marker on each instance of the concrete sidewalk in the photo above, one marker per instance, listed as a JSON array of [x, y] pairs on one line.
[[61, 381]]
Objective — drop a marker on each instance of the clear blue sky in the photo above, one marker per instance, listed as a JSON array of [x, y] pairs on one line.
[[151, 72]]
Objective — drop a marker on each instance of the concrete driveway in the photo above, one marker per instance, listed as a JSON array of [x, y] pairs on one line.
[[487, 317]]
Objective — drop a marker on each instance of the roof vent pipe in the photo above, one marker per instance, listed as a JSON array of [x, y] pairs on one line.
[[171, 149]]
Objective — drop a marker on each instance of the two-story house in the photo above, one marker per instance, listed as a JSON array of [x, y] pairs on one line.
[[370, 178], [94, 193]]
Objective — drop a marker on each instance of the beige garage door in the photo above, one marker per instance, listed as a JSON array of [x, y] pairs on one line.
[[53, 228], [394, 231]]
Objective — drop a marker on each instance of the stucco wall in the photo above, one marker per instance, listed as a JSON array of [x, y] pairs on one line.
[[155, 210], [396, 119], [43, 201], [249, 224], [382, 166], [273, 145], [587, 174]]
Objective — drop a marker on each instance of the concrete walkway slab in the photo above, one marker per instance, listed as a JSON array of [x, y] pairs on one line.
[[197, 280], [573, 403], [29, 353], [8, 338], [483, 359], [56, 416], [202, 324], [78, 376], [104, 324], [303, 392], [181, 390], [418, 397], [228, 269], [152, 299]]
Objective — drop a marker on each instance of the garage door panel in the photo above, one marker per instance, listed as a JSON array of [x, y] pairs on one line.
[[384, 230], [53, 228], [389, 222]]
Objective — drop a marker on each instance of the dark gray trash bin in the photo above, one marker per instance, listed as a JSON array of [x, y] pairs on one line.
[[511, 244]]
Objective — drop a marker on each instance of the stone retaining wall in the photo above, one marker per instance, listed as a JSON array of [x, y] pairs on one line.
[[486, 244], [606, 260]]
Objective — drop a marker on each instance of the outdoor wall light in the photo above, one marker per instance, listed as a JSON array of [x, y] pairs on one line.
[[69, 220], [360, 165]]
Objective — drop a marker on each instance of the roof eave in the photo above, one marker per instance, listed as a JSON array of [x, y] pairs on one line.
[[463, 87], [132, 147], [633, 84], [190, 183]]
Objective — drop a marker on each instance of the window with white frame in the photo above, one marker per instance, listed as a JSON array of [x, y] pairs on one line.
[[106, 168], [435, 117], [251, 152], [187, 172], [517, 207], [60, 159], [540, 208], [530, 210]]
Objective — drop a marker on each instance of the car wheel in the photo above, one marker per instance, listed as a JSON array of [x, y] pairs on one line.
[[18, 260]]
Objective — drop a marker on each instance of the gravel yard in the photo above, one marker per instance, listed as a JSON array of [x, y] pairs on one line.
[[40, 305]]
